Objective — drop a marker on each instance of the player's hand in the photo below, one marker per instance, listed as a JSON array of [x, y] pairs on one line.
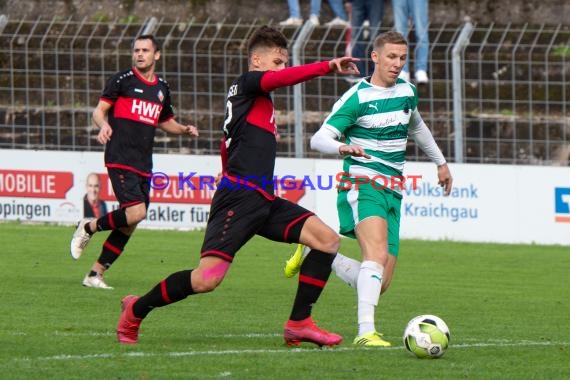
[[444, 179], [344, 65], [190, 130], [104, 134], [352, 150]]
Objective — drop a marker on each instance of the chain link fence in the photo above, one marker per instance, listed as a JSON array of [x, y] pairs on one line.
[[513, 89]]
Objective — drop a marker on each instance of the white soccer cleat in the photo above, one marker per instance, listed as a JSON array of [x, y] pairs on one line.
[[79, 240], [292, 21], [421, 77], [95, 282], [337, 21]]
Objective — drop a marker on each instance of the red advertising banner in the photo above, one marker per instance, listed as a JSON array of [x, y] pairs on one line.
[[35, 184]]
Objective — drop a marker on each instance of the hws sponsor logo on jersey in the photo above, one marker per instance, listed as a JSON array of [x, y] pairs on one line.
[[562, 204], [147, 112]]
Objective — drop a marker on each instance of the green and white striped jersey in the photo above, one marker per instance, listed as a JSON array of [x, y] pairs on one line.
[[378, 119]]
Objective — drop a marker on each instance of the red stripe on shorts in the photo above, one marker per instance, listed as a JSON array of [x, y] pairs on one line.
[[219, 254], [290, 225]]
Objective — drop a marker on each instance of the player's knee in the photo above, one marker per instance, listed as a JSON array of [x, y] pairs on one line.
[[207, 278], [204, 285], [331, 242], [135, 215], [139, 216]]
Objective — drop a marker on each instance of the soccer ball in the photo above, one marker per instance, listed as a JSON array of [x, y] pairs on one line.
[[426, 336]]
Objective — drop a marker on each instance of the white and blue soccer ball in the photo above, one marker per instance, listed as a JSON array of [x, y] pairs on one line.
[[426, 336]]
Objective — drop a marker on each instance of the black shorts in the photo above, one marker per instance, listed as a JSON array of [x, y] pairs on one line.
[[237, 215], [129, 187]]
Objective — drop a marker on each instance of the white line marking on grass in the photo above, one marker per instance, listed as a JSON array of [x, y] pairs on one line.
[[112, 333], [506, 343], [142, 354]]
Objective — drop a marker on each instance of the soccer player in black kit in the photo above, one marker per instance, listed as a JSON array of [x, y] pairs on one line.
[[244, 203], [133, 104]]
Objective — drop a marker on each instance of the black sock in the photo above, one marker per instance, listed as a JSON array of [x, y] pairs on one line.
[[112, 221], [87, 228], [174, 288], [112, 248], [313, 277]]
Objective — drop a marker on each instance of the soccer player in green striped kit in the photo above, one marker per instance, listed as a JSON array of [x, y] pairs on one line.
[[376, 116]]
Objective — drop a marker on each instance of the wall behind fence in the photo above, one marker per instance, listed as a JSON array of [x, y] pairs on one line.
[[514, 85]]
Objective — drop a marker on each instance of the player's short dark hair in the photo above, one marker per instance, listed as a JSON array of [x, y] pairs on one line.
[[266, 37], [150, 37], [389, 37]]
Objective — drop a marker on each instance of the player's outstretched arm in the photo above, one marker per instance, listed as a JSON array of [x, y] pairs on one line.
[[293, 75], [344, 65]]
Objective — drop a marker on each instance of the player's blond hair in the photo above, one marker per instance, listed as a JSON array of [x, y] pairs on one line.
[[390, 37]]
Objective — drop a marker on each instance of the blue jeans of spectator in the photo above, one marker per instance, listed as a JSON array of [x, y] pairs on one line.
[[337, 7], [417, 11], [373, 11], [295, 9]]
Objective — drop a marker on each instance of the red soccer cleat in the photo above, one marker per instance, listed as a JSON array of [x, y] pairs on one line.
[[307, 331], [128, 326]]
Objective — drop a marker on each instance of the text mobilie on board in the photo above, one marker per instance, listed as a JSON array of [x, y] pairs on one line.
[[35, 183]]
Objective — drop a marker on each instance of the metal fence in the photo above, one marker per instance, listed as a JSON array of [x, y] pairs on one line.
[[513, 90]]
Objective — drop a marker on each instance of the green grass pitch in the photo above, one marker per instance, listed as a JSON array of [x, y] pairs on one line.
[[507, 306]]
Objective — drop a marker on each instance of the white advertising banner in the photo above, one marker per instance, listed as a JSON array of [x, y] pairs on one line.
[[489, 203]]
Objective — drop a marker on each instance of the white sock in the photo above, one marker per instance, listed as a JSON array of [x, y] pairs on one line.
[[368, 288], [346, 269], [306, 251]]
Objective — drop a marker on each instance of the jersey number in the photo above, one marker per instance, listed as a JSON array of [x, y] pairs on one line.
[[229, 117]]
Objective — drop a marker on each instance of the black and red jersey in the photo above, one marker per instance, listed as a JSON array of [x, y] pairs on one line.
[[138, 106], [249, 147]]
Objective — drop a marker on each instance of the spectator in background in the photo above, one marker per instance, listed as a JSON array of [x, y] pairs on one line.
[[133, 105], [295, 19], [361, 11], [93, 207], [417, 12]]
